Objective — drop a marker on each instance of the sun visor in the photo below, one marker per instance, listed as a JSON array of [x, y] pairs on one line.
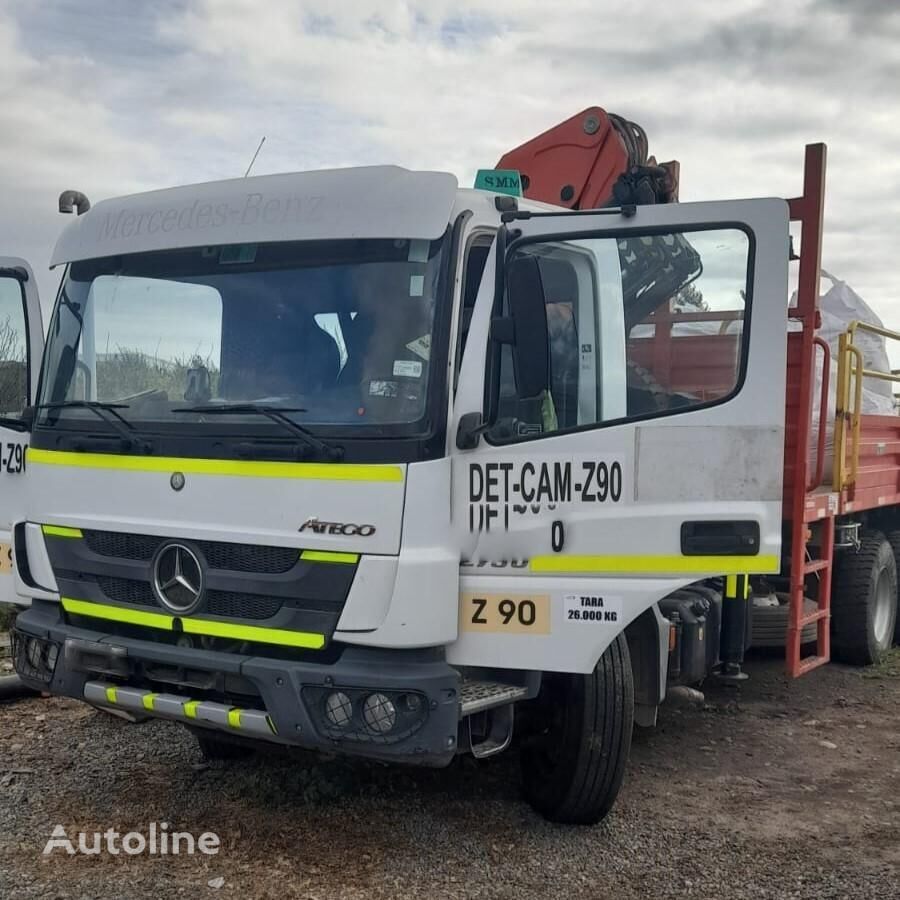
[[334, 204]]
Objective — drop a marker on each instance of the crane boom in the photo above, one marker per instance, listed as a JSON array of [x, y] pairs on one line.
[[590, 160]]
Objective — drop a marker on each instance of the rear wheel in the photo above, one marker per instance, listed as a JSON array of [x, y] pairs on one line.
[[573, 768], [864, 601], [894, 538]]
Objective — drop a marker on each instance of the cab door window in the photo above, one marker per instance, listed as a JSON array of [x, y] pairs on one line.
[[637, 326]]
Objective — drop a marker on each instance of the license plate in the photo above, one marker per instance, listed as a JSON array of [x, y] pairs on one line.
[[505, 613]]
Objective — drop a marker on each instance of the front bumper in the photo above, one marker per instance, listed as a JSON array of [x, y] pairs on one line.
[[278, 700]]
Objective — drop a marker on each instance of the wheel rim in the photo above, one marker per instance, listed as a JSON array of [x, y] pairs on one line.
[[885, 601]]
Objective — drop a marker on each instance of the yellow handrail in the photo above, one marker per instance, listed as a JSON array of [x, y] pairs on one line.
[[851, 365]]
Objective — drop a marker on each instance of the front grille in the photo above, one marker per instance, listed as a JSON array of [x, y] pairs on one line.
[[124, 546], [241, 606], [230, 604], [127, 590], [219, 554]]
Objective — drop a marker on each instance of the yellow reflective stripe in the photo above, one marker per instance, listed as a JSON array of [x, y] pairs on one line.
[[190, 708], [117, 614], [148, 700], [237, 468], [111, 696], [731, 586], [306, 639], [234, 718], [657, 565], [329, 557], [61, 531], [280, 636]]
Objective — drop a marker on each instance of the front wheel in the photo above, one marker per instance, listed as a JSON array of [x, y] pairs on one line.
[[573, 768]]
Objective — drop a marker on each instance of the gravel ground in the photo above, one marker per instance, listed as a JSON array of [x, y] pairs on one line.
[[776, 790]]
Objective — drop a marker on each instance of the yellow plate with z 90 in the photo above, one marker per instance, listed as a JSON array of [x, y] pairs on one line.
[[505, 613]]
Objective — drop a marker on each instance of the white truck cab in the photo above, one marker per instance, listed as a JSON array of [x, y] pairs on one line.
[[21, 345], [361, 461]]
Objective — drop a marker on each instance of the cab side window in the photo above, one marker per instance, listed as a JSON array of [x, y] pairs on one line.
[[13, 348], [636, 326]]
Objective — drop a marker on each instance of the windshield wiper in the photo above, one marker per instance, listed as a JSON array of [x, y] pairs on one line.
[[275, 414], [107, 413]]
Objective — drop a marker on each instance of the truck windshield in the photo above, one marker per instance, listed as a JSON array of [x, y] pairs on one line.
[[337, 334]]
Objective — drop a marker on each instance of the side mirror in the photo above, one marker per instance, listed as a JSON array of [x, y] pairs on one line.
[[468, 432], [527, 309]]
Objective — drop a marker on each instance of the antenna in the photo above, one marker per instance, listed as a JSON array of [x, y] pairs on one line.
[[262, 140]]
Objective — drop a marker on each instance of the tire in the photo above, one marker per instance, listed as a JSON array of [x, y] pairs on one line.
[[573, 769], [214, 747], [862, 619], [894, 538], [769, 624]]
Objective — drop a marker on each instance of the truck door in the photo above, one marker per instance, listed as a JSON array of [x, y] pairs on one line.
[[21, 343], [630, 376]]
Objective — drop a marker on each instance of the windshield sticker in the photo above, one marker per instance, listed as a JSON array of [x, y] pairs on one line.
[[421, 346], [416, 285], [502, 492], [418, 251], [237, 254], [384, 388], [407, 368]]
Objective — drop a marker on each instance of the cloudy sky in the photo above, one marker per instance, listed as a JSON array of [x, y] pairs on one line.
[[116, 96]]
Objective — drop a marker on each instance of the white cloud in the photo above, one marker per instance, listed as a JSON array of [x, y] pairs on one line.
[[109, 105]]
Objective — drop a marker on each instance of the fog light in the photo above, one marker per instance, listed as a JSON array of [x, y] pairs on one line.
[[33, 651], [379, 713], [338, 709]]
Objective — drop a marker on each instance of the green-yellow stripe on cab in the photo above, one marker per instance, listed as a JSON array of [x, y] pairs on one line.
[[280, 636], [61, 531], [230, 467], [117, 614], [657, 565], [283, 637], [328, 556]]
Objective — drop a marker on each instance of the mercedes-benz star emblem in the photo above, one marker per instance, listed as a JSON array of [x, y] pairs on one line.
[[178, 578]]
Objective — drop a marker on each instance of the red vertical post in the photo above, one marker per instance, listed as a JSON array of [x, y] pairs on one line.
[[809, 210]]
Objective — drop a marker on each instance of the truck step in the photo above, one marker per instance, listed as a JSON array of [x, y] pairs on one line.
[[499, 736], [477, 696]]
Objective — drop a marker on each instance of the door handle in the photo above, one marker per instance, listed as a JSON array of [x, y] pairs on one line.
[[720, 538]]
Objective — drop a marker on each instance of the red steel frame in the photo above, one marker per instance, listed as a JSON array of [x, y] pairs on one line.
[[809, 509], [800, 507]]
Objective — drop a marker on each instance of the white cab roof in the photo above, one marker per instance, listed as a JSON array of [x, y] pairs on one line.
[[369, 202]]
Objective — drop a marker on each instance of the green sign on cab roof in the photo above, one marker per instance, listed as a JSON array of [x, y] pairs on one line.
[[499, 181]]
